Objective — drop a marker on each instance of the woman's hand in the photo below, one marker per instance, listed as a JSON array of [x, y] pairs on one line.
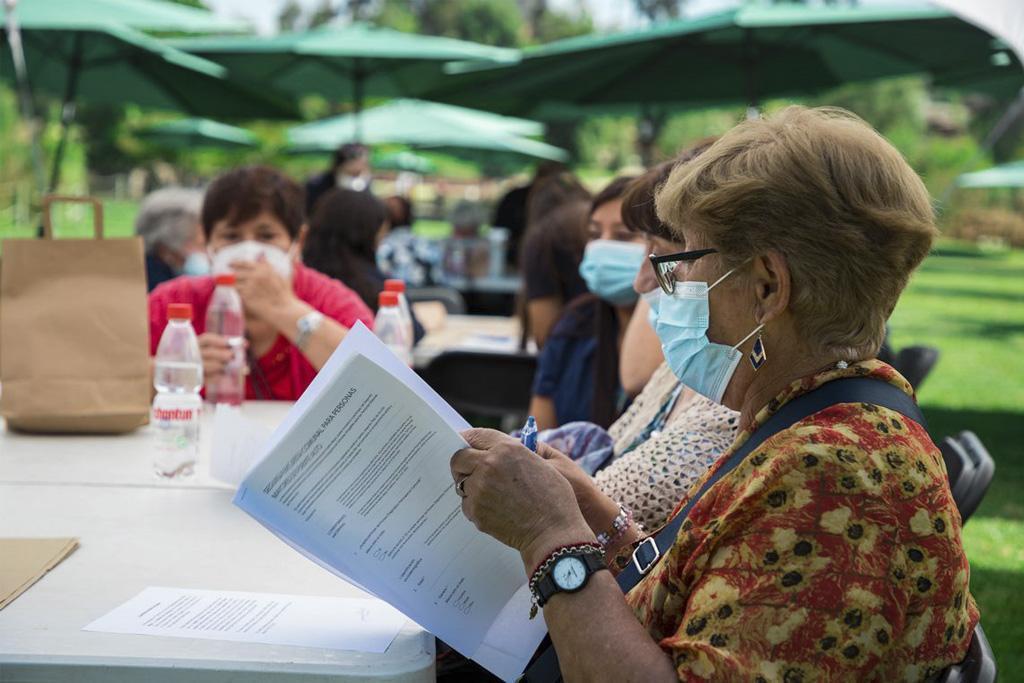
[[262, 288], [215, 352], [598, 509], [516, 496]]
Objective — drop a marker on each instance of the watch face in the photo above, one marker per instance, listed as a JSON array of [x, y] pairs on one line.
[[569, 573]]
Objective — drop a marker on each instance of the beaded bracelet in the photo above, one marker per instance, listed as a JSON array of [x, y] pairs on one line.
[[546, 564], [620, 525]]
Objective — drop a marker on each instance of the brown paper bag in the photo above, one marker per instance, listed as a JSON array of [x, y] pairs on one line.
[[74, 332]]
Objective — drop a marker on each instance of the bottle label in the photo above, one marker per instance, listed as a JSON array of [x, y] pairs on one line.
[[175, 428]]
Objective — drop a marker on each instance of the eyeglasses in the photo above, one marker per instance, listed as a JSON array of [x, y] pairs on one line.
[[664, 266]]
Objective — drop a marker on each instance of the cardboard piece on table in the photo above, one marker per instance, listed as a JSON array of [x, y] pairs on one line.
[[23, 561]]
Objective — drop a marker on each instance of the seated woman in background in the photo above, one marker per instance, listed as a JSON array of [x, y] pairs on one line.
[[551, 252], [345, 230], [295, 317], [168, 223], [577, 370], [670, 435], [831, 550]]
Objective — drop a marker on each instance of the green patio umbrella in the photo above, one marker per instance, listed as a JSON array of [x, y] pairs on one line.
[[96, 59], [743, 55], [142, 15], [404, 161], [197, 132], [342, 63], [422, 124], [1010, 174]]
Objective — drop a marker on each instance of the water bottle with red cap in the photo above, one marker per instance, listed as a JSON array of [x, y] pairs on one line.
[[177, 377], [398, 287], [391, 328], [225, 317]]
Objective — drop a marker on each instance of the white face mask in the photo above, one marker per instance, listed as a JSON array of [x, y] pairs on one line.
[[352, 182], [251, 250]]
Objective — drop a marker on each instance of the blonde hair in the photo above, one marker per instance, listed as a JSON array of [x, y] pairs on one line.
[[824, 189]]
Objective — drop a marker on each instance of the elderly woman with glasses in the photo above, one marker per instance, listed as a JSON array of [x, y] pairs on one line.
[[824, 544]]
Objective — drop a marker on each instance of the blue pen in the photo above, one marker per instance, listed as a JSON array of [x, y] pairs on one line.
[[529, 434]]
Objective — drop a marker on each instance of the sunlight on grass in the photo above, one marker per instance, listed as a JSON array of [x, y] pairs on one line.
[[970, 304]]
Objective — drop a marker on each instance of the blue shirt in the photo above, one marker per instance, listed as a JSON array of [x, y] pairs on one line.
[[565, 367]]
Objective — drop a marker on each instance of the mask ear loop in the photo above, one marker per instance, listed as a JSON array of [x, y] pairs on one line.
[[713, 284], [745, 339]]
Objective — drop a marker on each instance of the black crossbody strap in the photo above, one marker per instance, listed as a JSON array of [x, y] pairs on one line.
[[544, 668]]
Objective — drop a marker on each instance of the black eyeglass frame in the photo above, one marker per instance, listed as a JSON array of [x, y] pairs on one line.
[[664, 266]]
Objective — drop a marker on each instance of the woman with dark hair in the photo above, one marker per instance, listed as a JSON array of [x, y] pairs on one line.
[[295, 317], [344, 232], [551, 252], [578, 370]]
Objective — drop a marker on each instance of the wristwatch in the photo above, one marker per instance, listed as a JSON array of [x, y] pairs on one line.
[[308, 324], [567, 570]]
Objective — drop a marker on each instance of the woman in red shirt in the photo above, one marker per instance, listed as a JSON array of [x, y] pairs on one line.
[[294, 316]]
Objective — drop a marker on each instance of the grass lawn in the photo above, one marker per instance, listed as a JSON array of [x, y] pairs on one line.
[[970, 304]]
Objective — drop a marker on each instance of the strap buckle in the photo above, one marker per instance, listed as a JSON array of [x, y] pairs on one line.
[[648, 548]]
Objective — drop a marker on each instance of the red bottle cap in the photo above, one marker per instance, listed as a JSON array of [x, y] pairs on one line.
[[179, 311], [388, 299], [225, 279], [394, 286]]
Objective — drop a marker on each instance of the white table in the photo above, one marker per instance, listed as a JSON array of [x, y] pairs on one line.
[[137, 531], [494, 334], [119, 460]]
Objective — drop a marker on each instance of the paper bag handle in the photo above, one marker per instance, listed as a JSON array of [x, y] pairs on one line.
[[51, 199]]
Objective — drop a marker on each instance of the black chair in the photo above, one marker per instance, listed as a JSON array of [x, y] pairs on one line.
[[915, 363], [494, 385], [979, 666], [970, 469], [452, 299]]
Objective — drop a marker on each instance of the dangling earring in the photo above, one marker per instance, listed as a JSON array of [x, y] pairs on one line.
[[757, 354]]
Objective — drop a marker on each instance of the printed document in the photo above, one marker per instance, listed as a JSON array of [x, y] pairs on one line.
[[357, 478], [360, 624]]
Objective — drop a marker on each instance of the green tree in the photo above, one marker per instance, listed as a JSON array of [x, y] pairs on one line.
[[289, 16], [324, 13], [658, 10], [553, 25], [491, 22]]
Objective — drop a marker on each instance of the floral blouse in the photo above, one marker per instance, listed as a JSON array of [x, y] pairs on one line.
[[831, 553]]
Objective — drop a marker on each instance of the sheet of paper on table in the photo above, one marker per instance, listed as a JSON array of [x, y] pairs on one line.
[[361, 624], [23, 561], [357, 479], [237, 442]]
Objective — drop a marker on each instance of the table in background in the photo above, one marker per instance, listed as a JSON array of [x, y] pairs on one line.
[[494, 334]]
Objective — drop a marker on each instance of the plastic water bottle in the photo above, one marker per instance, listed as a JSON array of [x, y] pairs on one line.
[[391, 329], [177, 377], [226, 318], [398, 287]]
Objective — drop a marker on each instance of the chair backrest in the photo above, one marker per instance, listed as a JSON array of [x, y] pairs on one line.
[[915, 363], [970, 469], [979, 666], [452, 299], [485, 384]]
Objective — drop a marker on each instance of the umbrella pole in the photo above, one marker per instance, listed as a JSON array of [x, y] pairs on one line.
[[67, 112], [750, 68], [358, 78], [25, 94]]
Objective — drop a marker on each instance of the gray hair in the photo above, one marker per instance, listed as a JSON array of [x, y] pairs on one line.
[[168, 217]]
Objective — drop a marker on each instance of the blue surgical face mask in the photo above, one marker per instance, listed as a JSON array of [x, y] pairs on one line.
[[653, 299], [609, 268], [196, 263], [682, 326]]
